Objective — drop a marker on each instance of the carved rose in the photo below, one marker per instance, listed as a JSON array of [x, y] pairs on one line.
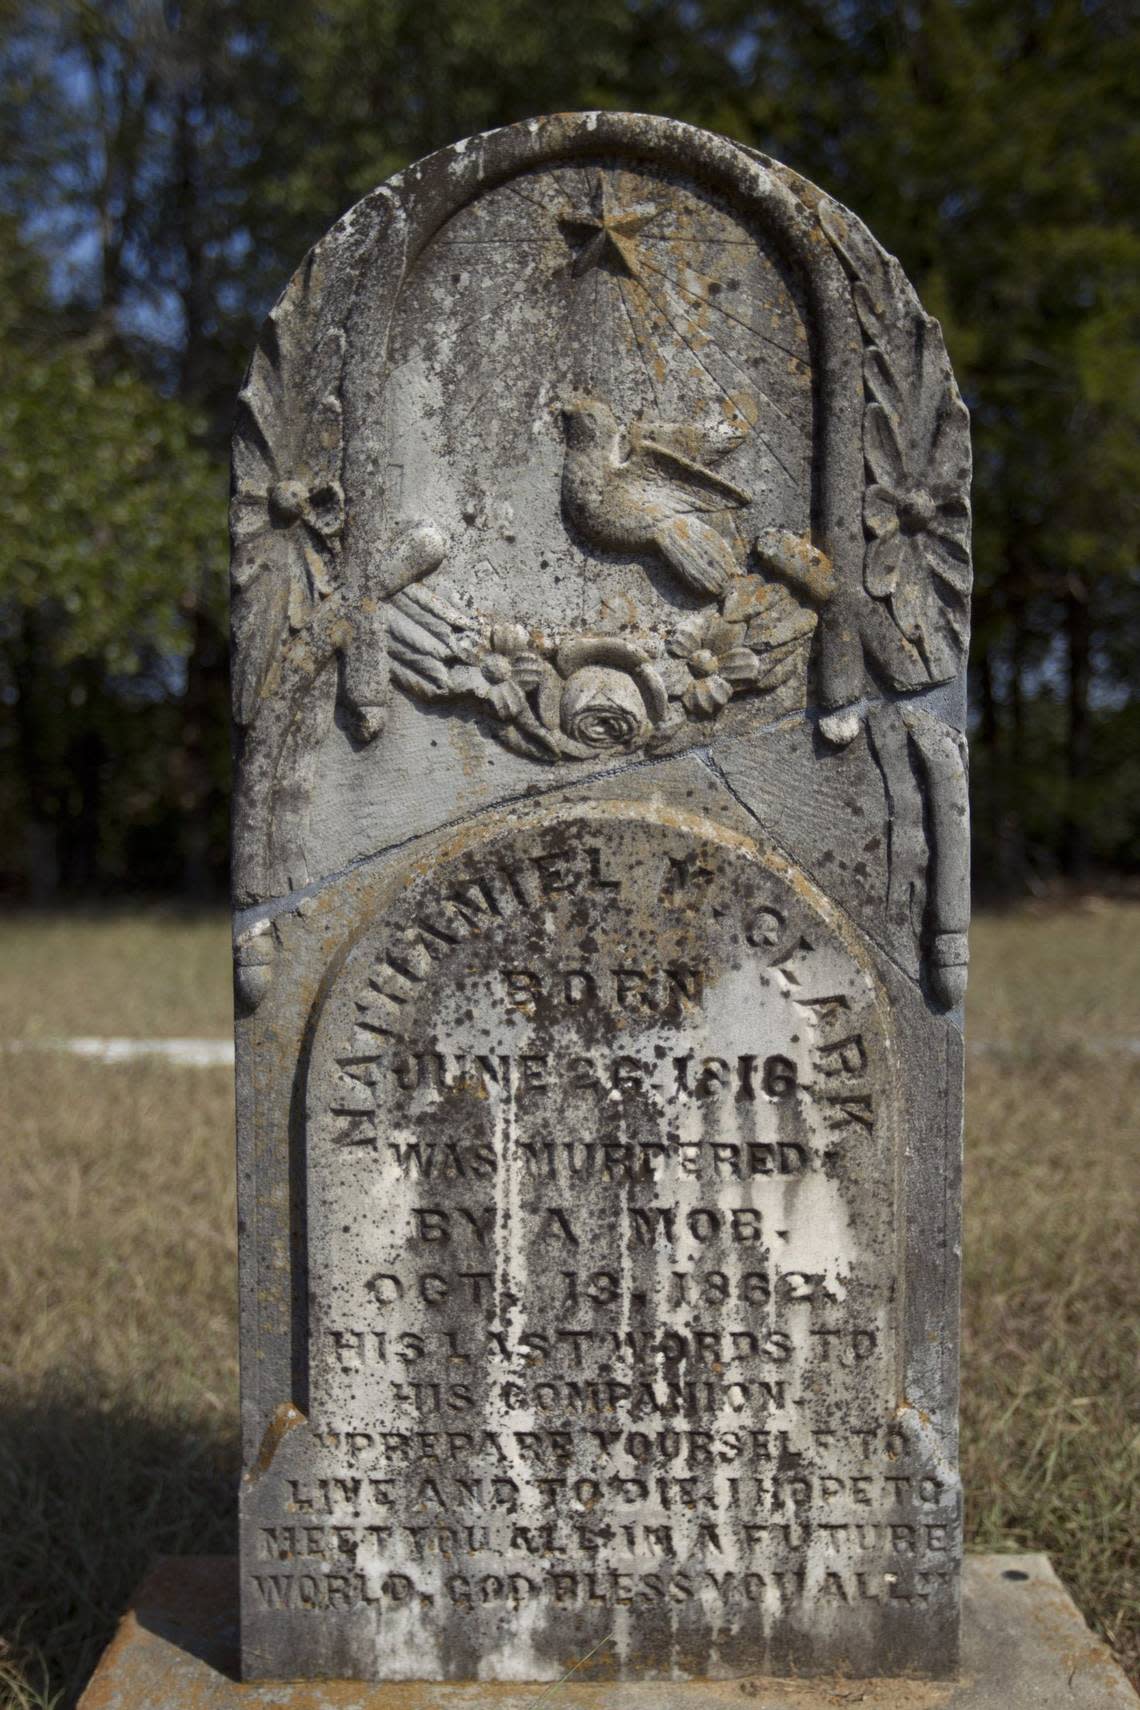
[[603, 708]]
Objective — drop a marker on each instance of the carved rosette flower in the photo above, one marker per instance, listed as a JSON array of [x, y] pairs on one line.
[[918, 527], [717, 660], [488, 668], [288, 507]]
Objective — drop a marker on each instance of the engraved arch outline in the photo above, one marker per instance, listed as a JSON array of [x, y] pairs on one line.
[[456, 176], [394, 884]]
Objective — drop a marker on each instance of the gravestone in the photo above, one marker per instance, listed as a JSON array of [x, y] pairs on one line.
[[600, 604]]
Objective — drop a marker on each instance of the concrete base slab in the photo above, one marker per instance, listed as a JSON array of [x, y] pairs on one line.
[[1024, 1647]]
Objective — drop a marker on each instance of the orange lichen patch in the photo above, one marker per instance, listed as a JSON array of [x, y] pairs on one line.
[[796, 560], [285, 1419]]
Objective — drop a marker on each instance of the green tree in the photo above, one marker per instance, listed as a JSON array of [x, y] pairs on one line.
[[111, 541], [118, 171]]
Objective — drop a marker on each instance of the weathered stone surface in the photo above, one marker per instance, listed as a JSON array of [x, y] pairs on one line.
[[600, 601], [1024, 1647]]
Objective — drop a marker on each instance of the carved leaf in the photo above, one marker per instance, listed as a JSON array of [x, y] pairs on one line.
[[258, 622], [857, 249], [882, 450], [881, 384], [779, 665]]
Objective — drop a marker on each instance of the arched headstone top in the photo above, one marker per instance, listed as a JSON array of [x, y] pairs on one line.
[[604, 433]]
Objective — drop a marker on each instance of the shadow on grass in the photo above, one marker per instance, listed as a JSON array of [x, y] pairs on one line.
[[91, 1491]]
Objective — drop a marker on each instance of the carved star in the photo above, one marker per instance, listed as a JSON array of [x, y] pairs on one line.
[[608, 232]]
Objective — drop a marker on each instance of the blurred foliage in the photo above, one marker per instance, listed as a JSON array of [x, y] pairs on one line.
[[165, 166], [112, 505]]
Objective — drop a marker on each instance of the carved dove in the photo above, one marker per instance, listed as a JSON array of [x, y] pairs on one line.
[[644, 489]]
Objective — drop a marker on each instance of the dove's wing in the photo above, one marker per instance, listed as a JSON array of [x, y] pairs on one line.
[[699, 555], [697, 442], [691, 485]]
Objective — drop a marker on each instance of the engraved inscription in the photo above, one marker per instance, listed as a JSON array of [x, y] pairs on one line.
[[601, 1151]]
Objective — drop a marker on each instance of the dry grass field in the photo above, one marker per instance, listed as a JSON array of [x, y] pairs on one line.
[[118, 1373]]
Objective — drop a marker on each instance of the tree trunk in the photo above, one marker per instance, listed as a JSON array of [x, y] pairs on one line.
[[1014, 777], [37, 717], [198, 786], [86, 762], [1078, 748], [989, 742], [205, 688]]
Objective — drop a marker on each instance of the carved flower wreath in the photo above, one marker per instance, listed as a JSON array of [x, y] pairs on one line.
[[600, 696]]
